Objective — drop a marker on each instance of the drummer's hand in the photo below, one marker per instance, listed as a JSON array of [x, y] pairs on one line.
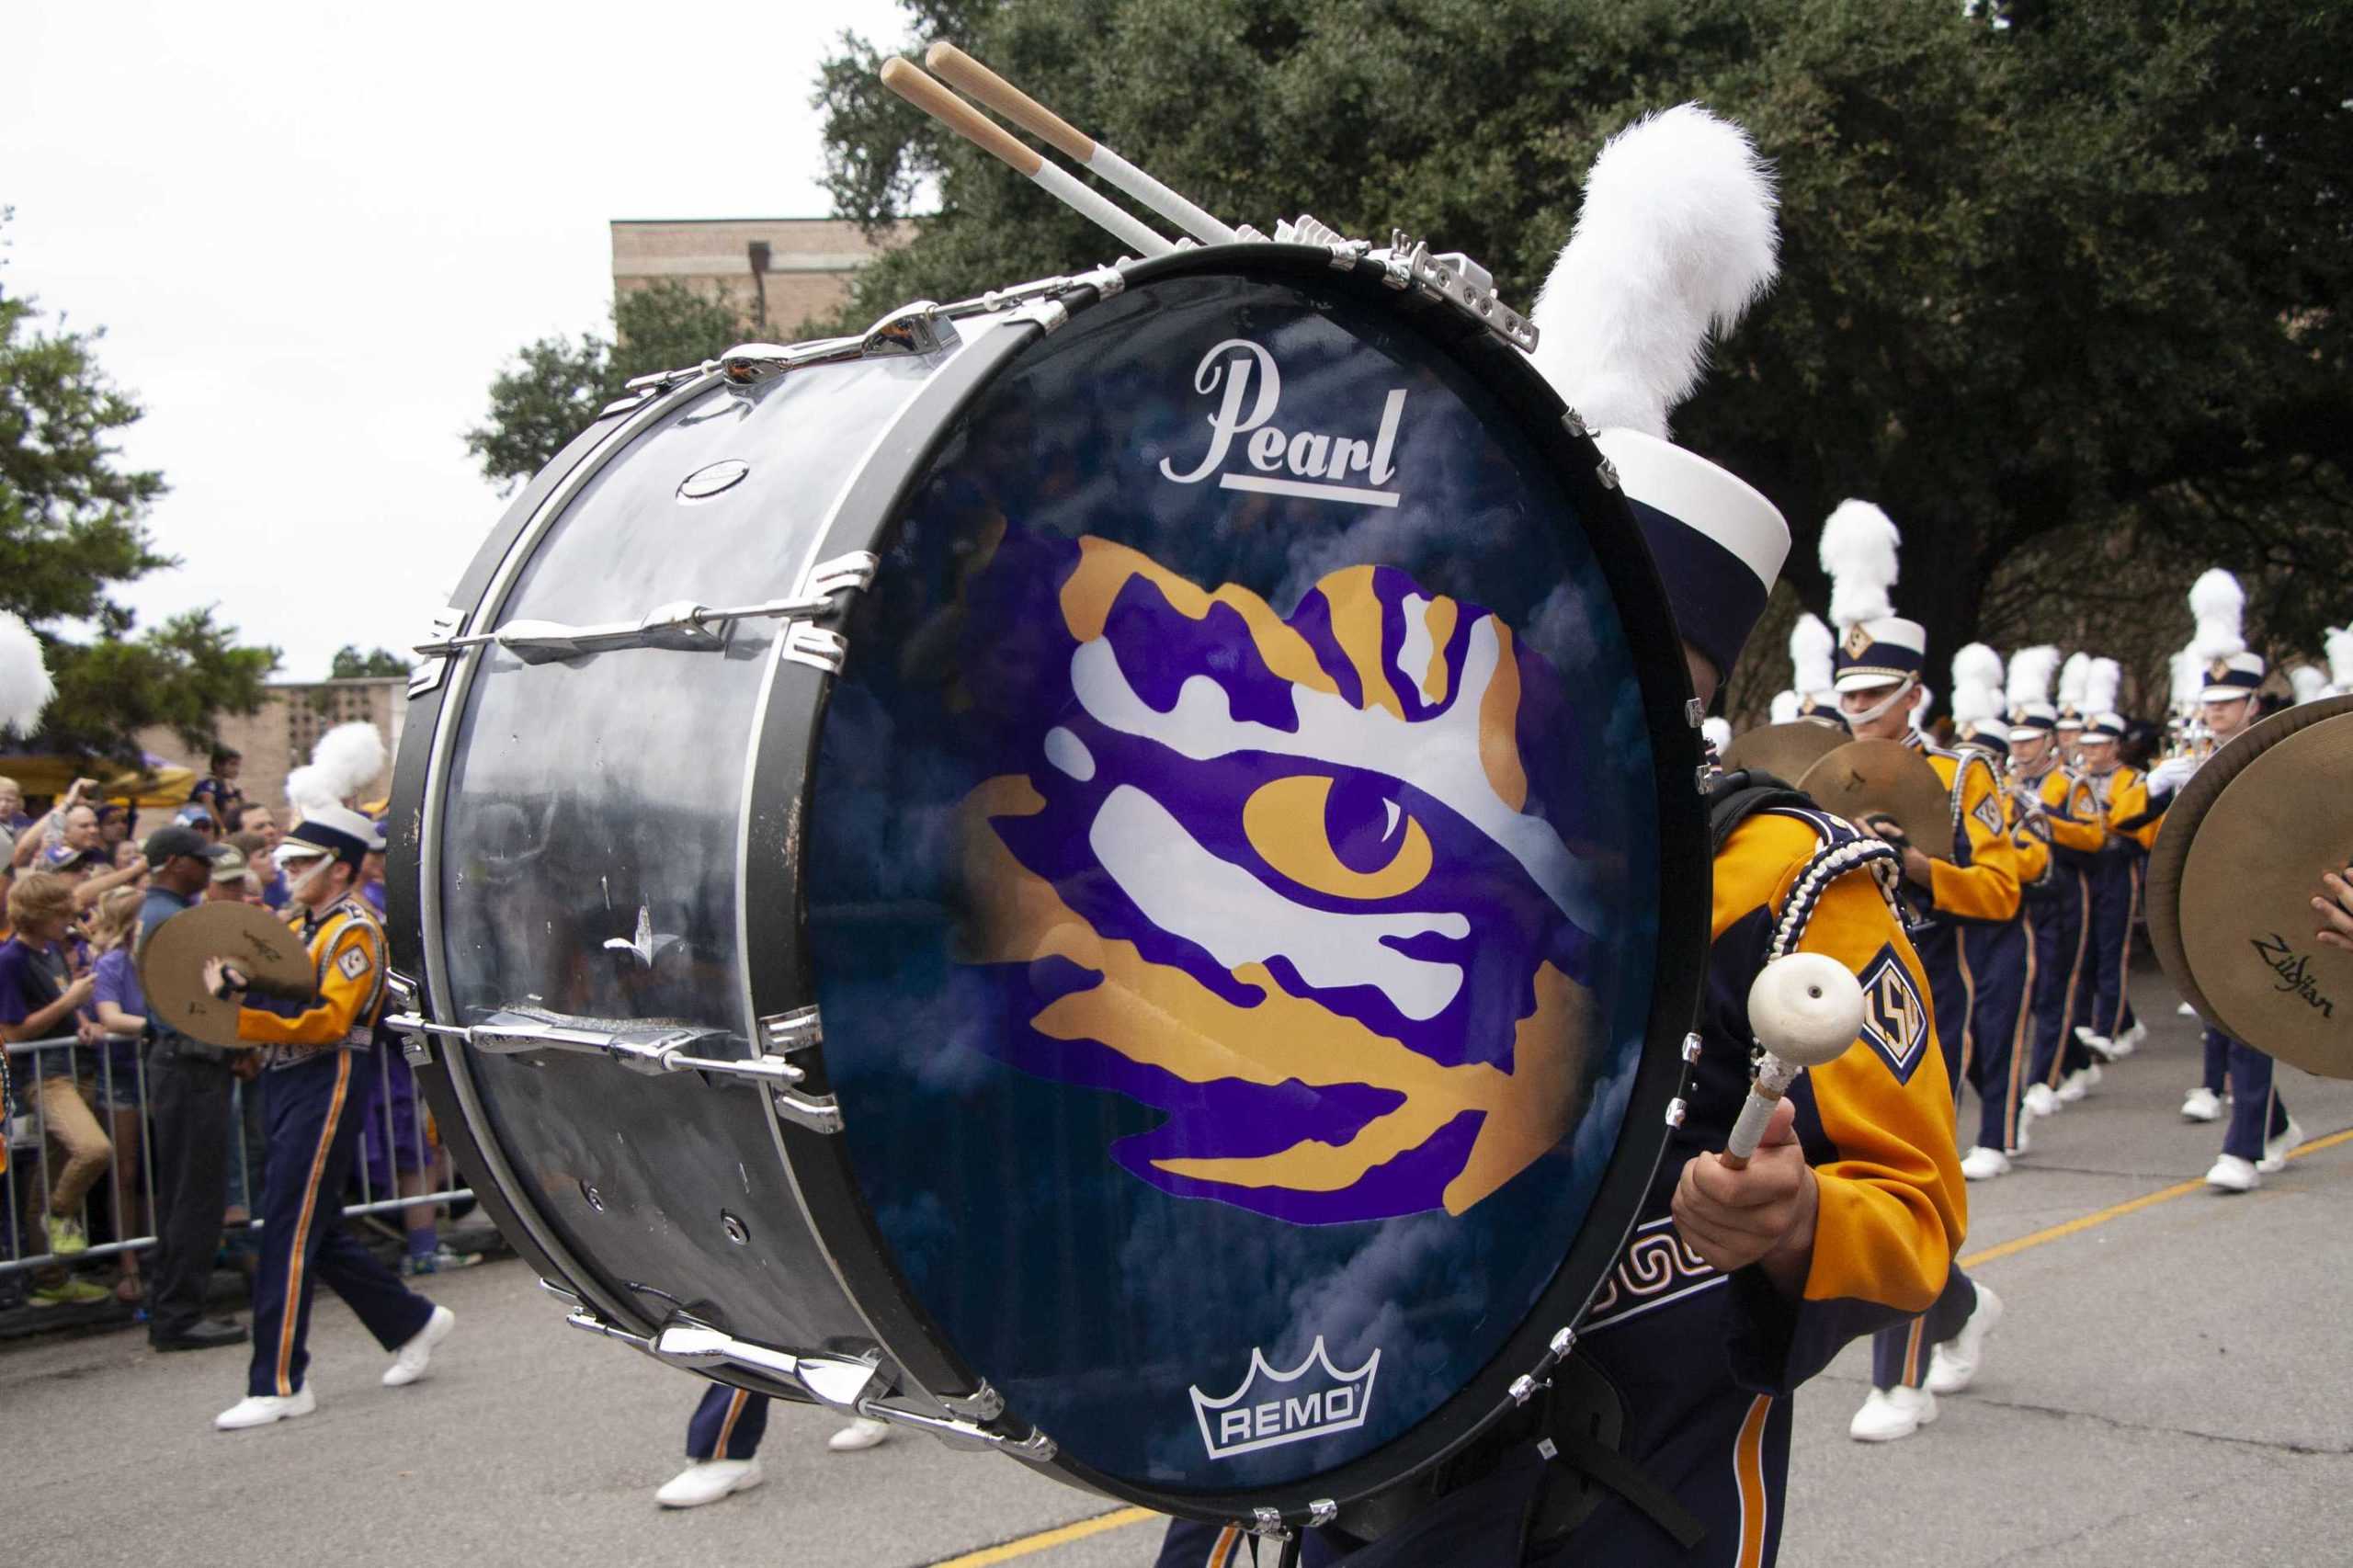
[[2337, 909], [1762, 1215]]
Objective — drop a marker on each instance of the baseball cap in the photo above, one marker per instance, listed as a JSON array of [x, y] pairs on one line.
[[228, 864], [167, 842], [65, 858], [192, 812]]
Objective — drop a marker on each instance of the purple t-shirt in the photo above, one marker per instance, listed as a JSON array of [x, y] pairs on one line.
[[30, 979], [118, 978]]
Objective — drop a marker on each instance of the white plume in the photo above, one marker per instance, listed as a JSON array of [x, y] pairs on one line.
[[1719, 731], [25, 685], [2102, 681], [1785, 707], [2072, 676], [1927, 701], [2338, 644], [1974, 702], [2031, 672], [1858, 545], [1677, 238], [345, 761], [2189, 678], [1978, 665], [2309, 682], [2218, 605], [1810, 646]]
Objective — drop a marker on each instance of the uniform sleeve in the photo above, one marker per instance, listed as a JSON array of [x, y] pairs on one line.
[[2070, 829], [2129, 816], [2030, 841], [1987, 887], [1879, 1127], [347, 972]]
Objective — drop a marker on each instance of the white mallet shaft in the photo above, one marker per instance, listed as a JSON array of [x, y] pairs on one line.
[[1035, 117], [909, 82], [1805, 1009]]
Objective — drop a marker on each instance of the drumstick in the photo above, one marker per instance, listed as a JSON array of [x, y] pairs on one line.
[[1805, 1009], [910, 82], [1035, 117]]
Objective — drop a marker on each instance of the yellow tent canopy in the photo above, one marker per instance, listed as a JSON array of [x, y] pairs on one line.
[[52, 776]]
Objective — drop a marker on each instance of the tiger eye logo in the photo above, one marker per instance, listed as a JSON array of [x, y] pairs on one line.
[[1859, 642], [1281, 878]]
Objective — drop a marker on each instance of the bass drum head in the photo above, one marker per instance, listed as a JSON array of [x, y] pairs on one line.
[[1236, 885]]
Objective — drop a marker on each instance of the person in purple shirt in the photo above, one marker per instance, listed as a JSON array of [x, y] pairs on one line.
[[121, 1011], [42, 998]]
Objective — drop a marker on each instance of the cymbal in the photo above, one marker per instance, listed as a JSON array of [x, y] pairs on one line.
[[2243, 850], [255, 942], [1785, 751], [1866, 778]]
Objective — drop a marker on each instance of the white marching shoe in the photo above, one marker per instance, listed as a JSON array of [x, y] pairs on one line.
[[2234, 1175], [1982, 1163], [860, 1433], [1890, 1413], [262, 1409], [2201, 1104], [2100, 1045], [2078, 1084], [707, 1481], [2276, 1150], [2041, 1100], [1952, 1366], [409, 1365], [2186, 1011], [2130, 1040]]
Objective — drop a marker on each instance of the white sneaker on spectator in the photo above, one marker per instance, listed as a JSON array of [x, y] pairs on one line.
[[2234, 1175], [409, 1365], [2201, 1105], [2041, 1100], [2276, 1150], [1952, 1366], [1982, 1163], [261, 1409], [860, 1433], [1890, 1413], [707, 1481]]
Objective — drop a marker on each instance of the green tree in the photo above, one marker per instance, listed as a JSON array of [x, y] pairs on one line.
[[556, 385], [2065, 295], [72, 527], [350, 664]]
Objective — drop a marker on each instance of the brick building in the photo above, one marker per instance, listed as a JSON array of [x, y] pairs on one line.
[[779, 273], [278, 739]]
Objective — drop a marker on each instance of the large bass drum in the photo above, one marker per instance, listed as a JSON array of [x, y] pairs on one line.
[[1113, 872]]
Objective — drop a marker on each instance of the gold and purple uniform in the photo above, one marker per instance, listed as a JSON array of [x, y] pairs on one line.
[[2123, 796], [310, 1118], [2059, 906]]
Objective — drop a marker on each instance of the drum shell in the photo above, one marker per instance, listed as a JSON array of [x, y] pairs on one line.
[[870, 1300]]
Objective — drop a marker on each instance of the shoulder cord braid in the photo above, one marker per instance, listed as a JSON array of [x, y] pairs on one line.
[[1829, 864]]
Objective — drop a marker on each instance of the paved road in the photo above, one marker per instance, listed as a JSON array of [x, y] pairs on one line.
[[2172, 1386]]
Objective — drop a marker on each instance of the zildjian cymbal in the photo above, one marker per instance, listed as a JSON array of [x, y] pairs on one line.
[[1885, 778], [2232, 878], [257, 945], [1785, 751]]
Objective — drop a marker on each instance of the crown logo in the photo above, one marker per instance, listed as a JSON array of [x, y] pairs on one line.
[[1301, 1407]]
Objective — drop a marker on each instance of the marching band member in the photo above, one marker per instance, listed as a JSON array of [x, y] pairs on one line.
[[1810, 648], [311, 1103], [2108, 1027], [724, 1446], [1849, 1215], [2072, 676], [2260, 1132], [2000, 955], [1879, 661], [2058, 907]]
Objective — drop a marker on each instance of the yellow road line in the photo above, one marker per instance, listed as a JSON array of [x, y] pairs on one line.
[[1121, 1518], [2131, 1206], [1118, 1519]]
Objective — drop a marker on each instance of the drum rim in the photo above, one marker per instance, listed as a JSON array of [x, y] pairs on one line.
[[1683, 901]]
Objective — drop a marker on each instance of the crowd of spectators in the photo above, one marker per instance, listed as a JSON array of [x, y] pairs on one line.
[[90, 1155]]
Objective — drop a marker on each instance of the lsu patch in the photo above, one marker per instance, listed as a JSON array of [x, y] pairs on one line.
[[1895, 1016], [1988, 811], [353, 962]]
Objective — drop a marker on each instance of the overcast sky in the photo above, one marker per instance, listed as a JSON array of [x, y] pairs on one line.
[[313, 233]]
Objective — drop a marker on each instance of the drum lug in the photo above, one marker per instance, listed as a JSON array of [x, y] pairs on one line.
[[1607, 472], [818, 1113], [983, 1404], [1322, 1512], [1574, 423], [781, 1034], [1046, 314], [1691, 1048], [1695, 712], [815, 646], [435, 651], [1452, 279], [1267, 1524], [563, 1293], [920, 330], [1676, 1109], [838, 574]]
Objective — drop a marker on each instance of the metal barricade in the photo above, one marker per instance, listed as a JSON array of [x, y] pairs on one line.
[[67, 1099]]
